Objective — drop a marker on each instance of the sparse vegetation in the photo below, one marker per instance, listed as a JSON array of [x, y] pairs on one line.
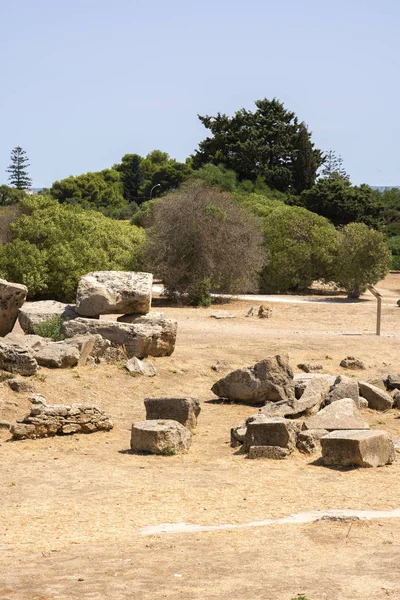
[[50, 329]]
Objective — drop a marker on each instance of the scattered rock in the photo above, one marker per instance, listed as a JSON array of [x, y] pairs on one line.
[[344, 387], [272, 432], [363, 403], [342, 414], [135, 316], [270, 379], [12, 297], [310, 367], [308, 404], [238, 434], [15, 359], [185, 410], [350, 362], [145, 337], [5, 425], [377, 398], [31, 342], [357, 448], [160, 437], [113, 292], [90, 345], [308, 442], [37, 313], [264, 312], [221, 314], [272, 452], [137, 367], [57, 419], [58, 355], [219, 366], [396, 399], [21, 385], [392, 381]]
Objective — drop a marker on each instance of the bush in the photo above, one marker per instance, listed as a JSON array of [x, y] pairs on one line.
[[301, 246], [201, 241], [363, 258], [50, 329], [54, 245]]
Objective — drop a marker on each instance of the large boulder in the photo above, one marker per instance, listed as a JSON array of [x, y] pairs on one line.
[[185, 410], [113, 292], [344, 387], [37, 313], [12, 297], [144, 337], [16, 359], [377, 399], [357, 448], [392, 381], [58, 355], [58, 419], [272, 432], [160, 437], [342, 414], [269, 380], [309, 402]]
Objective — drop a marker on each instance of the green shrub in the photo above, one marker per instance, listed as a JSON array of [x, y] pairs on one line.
[[50, 329], [54, 245]]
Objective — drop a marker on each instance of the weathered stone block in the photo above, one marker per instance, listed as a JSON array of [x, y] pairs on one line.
[[271, 452], [113, 292], [344, 387], [357, 448], [377, 399], [342, 414], [160, 437], [272, 432], [309, 442], [185, 410], [37, 313], [15, 359], [12, 297], [139, 368]]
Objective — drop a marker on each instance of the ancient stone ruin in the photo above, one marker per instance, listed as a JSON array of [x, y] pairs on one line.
[[46, 420]]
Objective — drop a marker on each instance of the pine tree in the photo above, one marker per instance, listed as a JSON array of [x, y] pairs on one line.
[[18, 174], [306, 161], [333, 164]]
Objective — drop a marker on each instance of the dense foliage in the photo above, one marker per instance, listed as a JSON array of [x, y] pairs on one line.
[[55, 244], [18, 174], [270, 143]]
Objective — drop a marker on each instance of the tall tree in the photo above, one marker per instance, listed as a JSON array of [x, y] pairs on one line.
[[18, 174], [306, 161], [132, 175], [264, 144], [333, 165]]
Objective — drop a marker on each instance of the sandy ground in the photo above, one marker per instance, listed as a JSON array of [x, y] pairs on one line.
[[72, 508]]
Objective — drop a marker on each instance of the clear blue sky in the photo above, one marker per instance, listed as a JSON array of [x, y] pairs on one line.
[[85, 81]]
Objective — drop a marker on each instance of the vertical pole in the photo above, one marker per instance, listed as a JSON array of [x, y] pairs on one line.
[[378, 315]]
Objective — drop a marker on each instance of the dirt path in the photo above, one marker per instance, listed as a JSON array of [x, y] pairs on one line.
[[73, 508]]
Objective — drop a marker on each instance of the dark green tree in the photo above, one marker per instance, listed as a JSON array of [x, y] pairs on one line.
[[266, 144], [336, 199], [306, 161], [9, 195], [132, 175], [18, 176]]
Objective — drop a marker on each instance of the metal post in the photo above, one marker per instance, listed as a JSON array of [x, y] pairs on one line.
[[378, 296]]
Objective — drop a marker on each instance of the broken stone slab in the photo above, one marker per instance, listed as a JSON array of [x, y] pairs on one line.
[[309, 403], [342, 414], [377, 399], [58, 355], [145, 337], [222, 314], [301, 380], [138, 367], [47, 420], [114, 292], [271, 379], [271, 452], [310, 367], [16, 359], [164, 437], [238, 434], [309, 441], [351, 362], [93, 345], [344, 387], [357, 448], [21, 385], [185, 410], [396, 399], [36, 313], [31, 341], [12, 297], [272, 432]]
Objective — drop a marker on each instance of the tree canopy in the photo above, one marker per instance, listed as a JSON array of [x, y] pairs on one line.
[[18, 174], [270, 143]]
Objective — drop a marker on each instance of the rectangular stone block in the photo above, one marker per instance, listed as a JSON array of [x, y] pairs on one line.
[[357, 448], [271, 432], [184, 410], [272, 452]]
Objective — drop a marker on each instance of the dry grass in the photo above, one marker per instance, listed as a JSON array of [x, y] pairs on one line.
[[72, 507]]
